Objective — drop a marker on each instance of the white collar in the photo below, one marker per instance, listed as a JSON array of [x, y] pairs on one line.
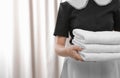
[[103, 2], [79, 4]]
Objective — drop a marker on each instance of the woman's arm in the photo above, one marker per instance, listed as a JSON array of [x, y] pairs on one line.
[[71, 51]]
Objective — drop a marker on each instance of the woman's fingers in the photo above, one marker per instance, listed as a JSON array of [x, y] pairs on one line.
[[73, 52], [77, 56], [77, 48]]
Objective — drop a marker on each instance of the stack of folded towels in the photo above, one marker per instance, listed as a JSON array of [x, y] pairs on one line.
[[97, 46]]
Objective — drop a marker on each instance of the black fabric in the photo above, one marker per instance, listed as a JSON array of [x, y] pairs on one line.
[[117, 19], [63, 20], [93, 17]]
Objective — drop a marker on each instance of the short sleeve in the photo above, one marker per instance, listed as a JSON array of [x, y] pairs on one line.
[[62, 23], [117, 19]]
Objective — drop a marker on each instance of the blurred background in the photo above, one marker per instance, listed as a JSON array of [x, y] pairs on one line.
[[26, 39]]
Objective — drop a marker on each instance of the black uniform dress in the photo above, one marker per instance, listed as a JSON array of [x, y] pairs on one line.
[[94, 18]]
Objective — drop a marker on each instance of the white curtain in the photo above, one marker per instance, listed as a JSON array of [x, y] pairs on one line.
[[26, 39]]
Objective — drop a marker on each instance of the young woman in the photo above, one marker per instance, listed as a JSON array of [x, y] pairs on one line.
[[93, 15]]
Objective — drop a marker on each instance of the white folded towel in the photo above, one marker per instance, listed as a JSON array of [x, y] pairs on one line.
[[99, 56], [99, 37], [97, 48]]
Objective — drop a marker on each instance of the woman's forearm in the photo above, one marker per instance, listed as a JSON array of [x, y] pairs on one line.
[[61, 50]]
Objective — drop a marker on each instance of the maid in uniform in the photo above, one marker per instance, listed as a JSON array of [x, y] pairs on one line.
[[92, 15]]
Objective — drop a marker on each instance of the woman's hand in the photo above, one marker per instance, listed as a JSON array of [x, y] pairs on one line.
[[71, 51]]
